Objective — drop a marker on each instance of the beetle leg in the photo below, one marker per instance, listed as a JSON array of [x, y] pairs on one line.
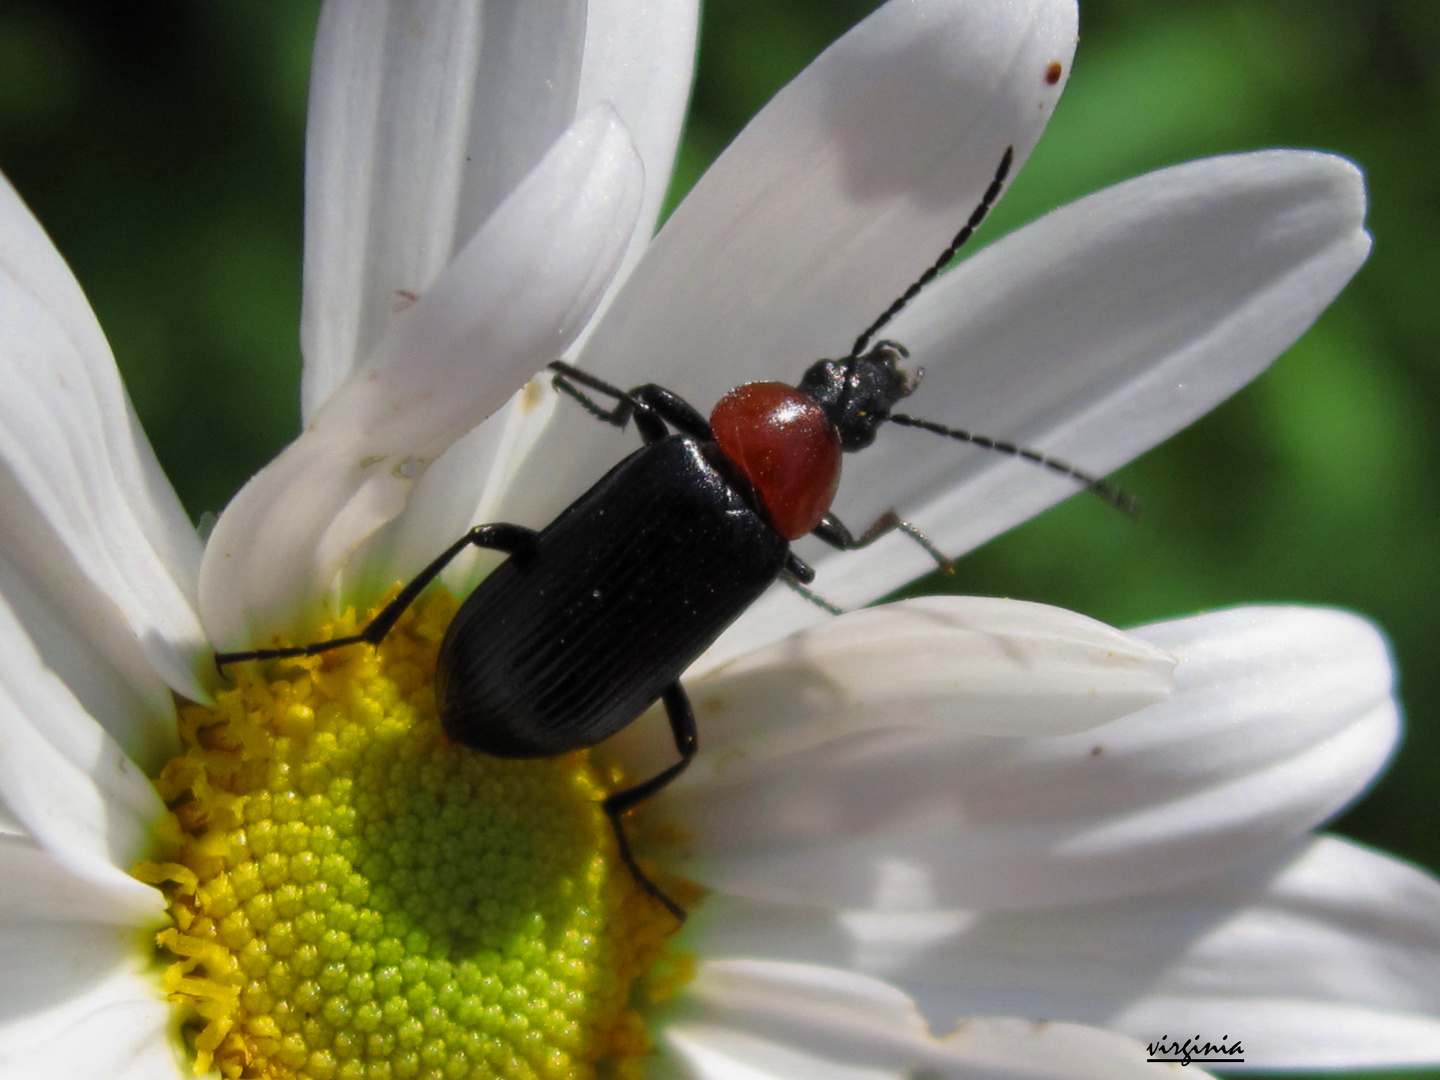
[[516, 540], [674, 409], [797, 569], [833, 531], [682, 726], [797, 573]]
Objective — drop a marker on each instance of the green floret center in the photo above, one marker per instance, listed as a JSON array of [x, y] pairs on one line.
[[355, 897]]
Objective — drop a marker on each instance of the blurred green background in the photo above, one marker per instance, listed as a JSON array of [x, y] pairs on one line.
[[160, 142]]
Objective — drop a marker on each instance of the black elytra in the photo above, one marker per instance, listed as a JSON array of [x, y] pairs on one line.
[[594, 618]]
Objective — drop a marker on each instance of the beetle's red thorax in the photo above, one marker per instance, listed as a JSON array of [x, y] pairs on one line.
[[785, 445]]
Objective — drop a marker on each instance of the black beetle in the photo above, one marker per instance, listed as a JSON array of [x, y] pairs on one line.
[[594, 618]]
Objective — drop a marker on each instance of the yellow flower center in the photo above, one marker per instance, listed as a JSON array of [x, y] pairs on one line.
[[353, 896]]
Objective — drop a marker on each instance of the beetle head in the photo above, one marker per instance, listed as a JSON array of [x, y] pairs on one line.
[[858, 392]]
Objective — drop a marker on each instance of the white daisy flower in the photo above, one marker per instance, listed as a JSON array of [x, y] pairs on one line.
[[909, 820]]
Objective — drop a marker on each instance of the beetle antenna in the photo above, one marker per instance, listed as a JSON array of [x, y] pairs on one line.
[[976, 217], [1127, 504]]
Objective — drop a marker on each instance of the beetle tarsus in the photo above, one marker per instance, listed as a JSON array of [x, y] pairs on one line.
[[835, 533], [314, 649], [682, 727], [619, 416], [622, 844], [652, 406], [813, 597]]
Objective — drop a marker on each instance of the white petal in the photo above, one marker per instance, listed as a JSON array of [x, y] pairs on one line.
[[77, 1002], [511, 300], [640, 57], [75, 965], [636, 56], [401, 167], [467, 486], [1092, 335], [835, 196], [1317, 954], [65, 780], [969, 664], [1281, 716], [35, 888], [840, 191], [1327, 955], [760, 1019], [951, 664], [88, 518], [1006, 1047], [425, 114], [141, 718]]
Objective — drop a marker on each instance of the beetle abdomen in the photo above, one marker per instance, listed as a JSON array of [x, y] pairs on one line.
[[564, 648]]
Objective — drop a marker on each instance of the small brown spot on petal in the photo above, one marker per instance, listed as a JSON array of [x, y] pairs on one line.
[[1053, 73]]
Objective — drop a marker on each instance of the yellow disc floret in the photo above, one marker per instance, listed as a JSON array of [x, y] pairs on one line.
[[355, 897]]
